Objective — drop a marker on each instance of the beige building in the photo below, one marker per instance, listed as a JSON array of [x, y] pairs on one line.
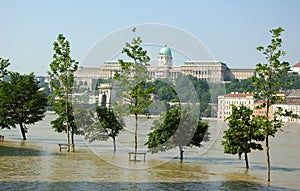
[[108, 69], [226, 101], [85, 78], [241, 73], [212, 71]]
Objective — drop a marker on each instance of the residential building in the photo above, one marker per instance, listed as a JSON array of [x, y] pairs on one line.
[[226, 101], [259, 111], [291, 103]]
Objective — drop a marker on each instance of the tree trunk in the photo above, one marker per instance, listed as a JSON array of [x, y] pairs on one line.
[[181, 153], [135, 135], [67, 120], [23, 131], [267, 144], [68, 136], [246, 159], [72, 136], [114, 141], [268, 160]]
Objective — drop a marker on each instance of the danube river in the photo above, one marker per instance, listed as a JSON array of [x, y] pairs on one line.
[[37, 164]]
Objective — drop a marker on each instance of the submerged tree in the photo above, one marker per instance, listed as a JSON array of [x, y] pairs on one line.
[[267, 83], [100, 125], [21, 102], [111, 122], [132, 79], [62, 70], [243, 134], [176, 129]]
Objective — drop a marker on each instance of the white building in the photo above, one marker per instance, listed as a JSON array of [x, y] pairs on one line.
[[291, 103], [296, 68], [226, 101]]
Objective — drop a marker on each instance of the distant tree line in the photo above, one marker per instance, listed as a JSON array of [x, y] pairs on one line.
[[246, 85]]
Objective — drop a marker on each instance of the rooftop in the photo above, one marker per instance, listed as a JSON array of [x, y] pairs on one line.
[[165, 51], [237, 94], [294, 94], [297, 65]]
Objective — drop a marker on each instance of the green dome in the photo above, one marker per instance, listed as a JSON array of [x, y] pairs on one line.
[[165, 51]]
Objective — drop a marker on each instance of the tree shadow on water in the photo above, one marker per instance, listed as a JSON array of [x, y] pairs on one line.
[[22, 151], [276, 168]]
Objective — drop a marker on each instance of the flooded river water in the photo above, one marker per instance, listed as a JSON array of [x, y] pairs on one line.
[[37, 164]]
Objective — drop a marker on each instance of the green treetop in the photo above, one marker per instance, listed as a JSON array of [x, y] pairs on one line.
[[267, 83], [132, 80], [62, 70]]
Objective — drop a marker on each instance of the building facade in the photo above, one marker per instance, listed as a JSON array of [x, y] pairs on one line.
[[291, 103], [226, 101], [212, 71], [241, 73], [85, 78]]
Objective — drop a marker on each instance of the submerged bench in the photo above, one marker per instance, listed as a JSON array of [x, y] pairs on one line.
[[1, 138], [134, 154], [65, 146]]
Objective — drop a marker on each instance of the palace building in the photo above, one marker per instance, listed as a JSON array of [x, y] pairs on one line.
[[211, 71]]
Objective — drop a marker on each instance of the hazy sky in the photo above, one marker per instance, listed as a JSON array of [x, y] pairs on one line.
[[229, 29]]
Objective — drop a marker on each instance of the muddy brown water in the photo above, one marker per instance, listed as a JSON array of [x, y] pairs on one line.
[[37, 164]]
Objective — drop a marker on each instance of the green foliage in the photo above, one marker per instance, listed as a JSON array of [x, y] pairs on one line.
[[203, 91], [165, 91], [62, 67], [4, 63], [245, 85], [21, 102], [243, 133], [176, 128], [133, 81], [107, 124], [134, 76], [88, 122], [62, 70], [84, 117], [293, 80], [267, 82], [239, 86]]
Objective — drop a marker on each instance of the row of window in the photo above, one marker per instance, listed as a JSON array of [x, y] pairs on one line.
[[236, 102]]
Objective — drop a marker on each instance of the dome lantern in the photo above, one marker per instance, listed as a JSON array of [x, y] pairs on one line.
[[165, 51]]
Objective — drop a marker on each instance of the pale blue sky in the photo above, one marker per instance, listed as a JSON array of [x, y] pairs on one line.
[[229, 29]]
